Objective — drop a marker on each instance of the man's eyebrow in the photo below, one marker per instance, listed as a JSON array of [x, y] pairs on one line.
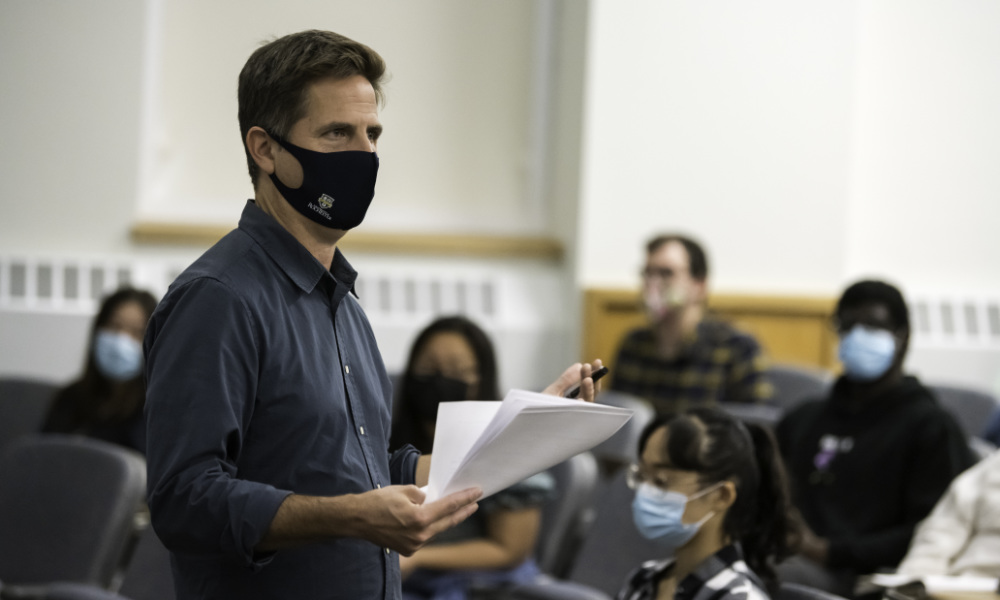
[[325, 129]]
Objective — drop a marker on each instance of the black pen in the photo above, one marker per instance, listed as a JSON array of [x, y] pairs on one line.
[[573, 393]]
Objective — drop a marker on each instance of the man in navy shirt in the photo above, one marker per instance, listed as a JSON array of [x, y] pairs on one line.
[[268, 404]]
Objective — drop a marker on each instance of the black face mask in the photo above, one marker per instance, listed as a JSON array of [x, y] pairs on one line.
[[425, 392], [337, 187]]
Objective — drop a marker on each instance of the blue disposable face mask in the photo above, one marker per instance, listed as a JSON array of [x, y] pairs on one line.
[[658, 515], [337, 187], [118, 355], [866, 353]]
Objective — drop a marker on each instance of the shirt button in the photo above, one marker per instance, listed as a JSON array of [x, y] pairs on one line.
[[378, 485], [387, 551], [362, 430], [347, 369]]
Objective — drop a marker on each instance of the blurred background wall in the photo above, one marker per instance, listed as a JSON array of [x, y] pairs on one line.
[[806, 144]]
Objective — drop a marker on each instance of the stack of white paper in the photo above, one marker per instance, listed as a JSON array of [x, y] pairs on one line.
[[494, 445]]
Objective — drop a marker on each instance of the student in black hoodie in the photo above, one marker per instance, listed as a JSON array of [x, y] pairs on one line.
[[870, 461]]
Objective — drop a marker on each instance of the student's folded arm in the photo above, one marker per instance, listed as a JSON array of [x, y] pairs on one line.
[[510, 540]]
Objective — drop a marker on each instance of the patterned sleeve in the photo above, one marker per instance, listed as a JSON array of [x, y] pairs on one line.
[[748, 380], [533, 491]]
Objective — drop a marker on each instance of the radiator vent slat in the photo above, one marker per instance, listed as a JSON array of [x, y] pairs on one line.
[[956, 322]]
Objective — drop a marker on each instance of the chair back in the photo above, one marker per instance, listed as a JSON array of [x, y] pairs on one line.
[[563, 517], [794, 383], [797, 591], [613, 547], [761, 414], [148, 575], [621, 448], [67, 505], [24, 402], [971, 408]]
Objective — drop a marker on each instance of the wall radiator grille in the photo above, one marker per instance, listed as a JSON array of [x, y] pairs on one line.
[[955, 321], [77, 286]]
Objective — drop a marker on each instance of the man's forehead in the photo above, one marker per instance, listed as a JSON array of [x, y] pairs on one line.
[[349, 93], [672, 252]]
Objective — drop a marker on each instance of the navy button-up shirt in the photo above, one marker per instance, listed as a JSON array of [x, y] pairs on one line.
[[264, 379]]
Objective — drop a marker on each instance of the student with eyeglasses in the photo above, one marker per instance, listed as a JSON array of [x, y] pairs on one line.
[[711, 491], [684, 356]]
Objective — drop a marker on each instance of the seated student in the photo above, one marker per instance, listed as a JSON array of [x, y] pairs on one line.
[[962, 534], [451, 360], [684, 357], [712, 491], [106, 401], [870, 461]]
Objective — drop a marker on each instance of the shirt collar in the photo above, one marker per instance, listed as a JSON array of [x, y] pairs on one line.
[[291, 256]]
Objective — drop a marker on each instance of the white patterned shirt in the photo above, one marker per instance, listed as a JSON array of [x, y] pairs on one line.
[[722, 576]]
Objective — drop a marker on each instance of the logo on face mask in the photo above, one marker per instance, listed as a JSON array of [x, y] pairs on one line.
[[348, 176]]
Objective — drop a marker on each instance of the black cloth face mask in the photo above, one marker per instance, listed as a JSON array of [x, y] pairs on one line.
[[337, 187], [425, 392]]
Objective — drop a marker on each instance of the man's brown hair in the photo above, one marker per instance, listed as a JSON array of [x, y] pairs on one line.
[[698, 261], [274, 81]]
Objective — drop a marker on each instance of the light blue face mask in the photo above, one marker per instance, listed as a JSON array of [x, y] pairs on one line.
[[118, 355], [658, 515], [866, 353]]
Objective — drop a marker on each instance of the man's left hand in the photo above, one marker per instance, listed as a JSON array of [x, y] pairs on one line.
[[576, 374]]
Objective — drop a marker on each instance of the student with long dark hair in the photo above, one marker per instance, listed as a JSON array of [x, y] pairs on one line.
[[106, 401], [452, 360], [712, 492]]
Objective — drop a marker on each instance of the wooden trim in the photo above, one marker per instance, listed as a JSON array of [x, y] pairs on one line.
[[791, 328], [443, 244], [783, 305]]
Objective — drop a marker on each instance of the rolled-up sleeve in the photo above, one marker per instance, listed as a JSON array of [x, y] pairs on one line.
[[202, 370]]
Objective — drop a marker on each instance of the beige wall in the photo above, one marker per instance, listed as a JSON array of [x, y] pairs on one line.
[[806, 143]]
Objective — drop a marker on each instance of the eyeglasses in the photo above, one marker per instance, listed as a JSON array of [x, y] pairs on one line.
[[634, 477], [663, 273]]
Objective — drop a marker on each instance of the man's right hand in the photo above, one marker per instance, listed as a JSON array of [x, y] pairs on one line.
[[396, 516]]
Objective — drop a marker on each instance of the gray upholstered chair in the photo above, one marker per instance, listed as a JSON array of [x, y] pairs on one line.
[[67, 510], [564, 518], [795, 383], [24, 403]]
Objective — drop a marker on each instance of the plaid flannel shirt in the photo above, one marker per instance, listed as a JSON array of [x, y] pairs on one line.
[[720, 364]]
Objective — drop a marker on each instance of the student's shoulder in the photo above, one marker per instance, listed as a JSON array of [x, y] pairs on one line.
[[722, 332], [734, 583]]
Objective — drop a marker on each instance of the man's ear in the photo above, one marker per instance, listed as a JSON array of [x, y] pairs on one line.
[[700, 287], [261, 148]]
